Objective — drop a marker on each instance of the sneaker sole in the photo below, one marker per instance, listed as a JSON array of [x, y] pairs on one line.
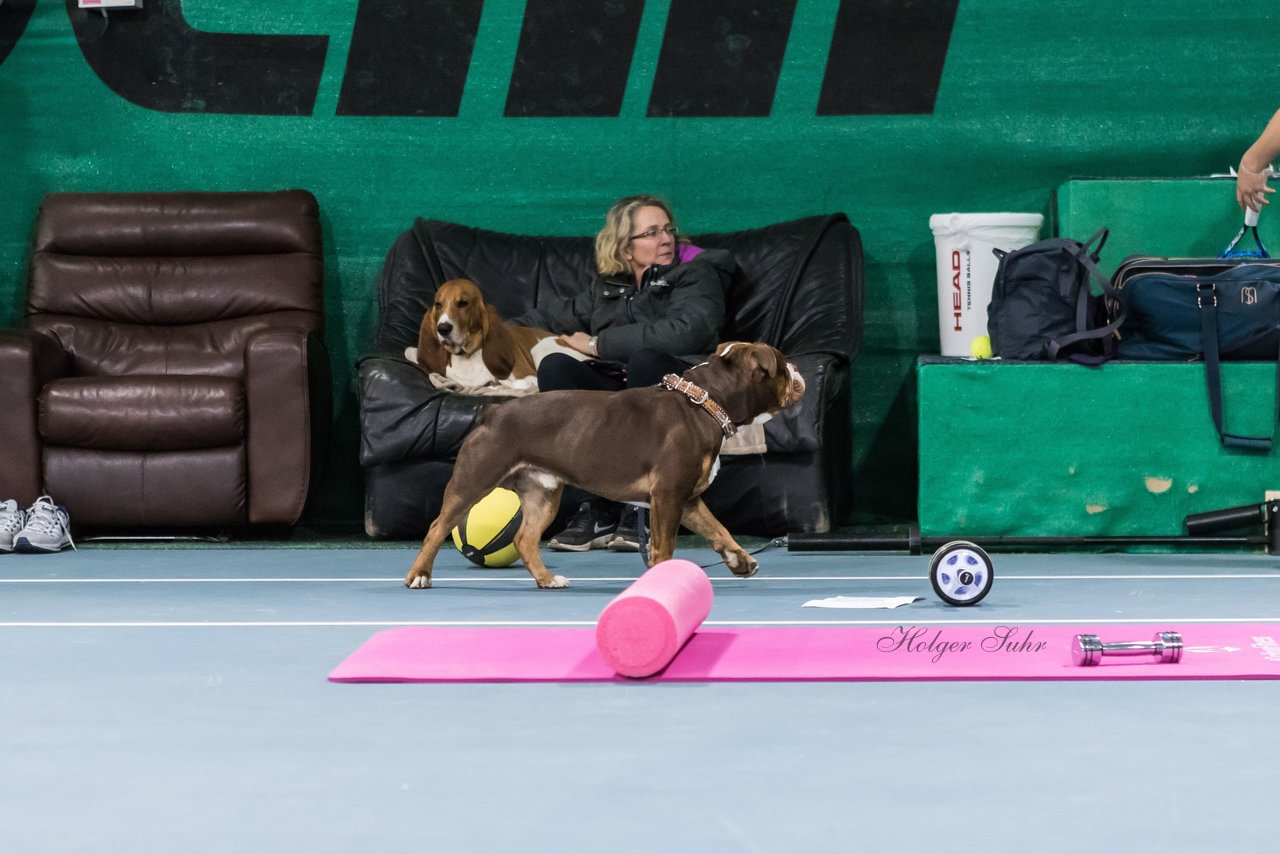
[[624, 546], [26, 548], [597, 543]]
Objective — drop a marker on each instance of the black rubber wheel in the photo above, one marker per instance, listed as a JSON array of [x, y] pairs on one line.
[[961, 573]]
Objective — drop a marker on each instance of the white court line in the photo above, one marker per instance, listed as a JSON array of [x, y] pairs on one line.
[[524, 579], [308, 624], [399, 579]]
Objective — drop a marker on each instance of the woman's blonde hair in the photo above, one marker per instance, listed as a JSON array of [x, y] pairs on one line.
[[611, 242]]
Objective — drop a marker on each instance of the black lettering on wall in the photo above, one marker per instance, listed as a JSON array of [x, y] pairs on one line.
[[886, 57], [152, 57], [721, 57], [574, 58], [14, 15], [409, 57]]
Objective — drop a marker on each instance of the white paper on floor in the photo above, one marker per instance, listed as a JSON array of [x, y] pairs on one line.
[[862, 602]]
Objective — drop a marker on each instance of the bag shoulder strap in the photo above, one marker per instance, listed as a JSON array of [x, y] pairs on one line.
[[1089, 260], [1101, 237], [1086, 258], [1207, 301]]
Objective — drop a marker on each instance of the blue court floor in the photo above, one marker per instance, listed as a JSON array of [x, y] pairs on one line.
[[175, 699]]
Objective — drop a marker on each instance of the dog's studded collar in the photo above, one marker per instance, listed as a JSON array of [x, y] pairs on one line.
[[699, 396]]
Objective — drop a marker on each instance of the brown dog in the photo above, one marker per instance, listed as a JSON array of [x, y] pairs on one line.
[[644, 445], [463, 339]]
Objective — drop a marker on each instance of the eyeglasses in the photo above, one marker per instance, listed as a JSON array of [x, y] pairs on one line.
[[651, 233]]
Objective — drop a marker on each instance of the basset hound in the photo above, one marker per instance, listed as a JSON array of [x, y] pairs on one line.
[[463, 339]]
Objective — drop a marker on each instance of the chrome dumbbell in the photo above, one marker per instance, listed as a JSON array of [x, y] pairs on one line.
[[1087, 650]]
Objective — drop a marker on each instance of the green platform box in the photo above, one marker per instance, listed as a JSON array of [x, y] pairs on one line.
[[1164, 217], [1124, 449], [1049, 449]]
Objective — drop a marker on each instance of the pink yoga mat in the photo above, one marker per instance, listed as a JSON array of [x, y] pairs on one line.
[[643, 628], [907, 652]]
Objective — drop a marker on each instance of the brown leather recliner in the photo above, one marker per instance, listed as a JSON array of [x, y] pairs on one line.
[[171, 370]]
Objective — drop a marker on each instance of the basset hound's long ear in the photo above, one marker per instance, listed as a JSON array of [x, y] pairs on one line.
[[431, 356], [499, 353], [488, 317]]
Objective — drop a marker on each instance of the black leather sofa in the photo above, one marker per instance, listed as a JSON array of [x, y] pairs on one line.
[[798, 287]]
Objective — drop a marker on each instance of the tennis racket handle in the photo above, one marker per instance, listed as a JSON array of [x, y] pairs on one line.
[[1251, 217]]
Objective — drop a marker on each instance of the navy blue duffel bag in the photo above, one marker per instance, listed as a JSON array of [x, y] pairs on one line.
[[1202, 308]]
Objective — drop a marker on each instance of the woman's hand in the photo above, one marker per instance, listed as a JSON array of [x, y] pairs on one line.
[[1251, 187], [579, 341], [1255, 167]]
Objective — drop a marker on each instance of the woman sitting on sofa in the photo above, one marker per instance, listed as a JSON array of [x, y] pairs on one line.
[[655, 308]]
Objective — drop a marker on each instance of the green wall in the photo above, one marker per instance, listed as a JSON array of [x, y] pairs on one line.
[[1031, 93]]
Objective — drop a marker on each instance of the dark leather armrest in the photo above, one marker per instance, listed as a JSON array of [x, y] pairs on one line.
[[287, 393], [28, 361], [404, 417], [799, 429]]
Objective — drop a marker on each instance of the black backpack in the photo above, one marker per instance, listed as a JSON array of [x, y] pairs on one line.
[[1042, 306]]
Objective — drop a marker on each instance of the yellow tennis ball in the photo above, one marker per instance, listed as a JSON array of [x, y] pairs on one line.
[[980, 347], [486, 535]]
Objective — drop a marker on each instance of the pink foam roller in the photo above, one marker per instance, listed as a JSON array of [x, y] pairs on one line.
[[642, 629]]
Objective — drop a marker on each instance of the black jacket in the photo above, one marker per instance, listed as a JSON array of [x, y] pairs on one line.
[[678, 310]]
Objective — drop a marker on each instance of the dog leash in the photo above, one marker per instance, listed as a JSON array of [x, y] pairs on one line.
[[642, 521], [774, 543]]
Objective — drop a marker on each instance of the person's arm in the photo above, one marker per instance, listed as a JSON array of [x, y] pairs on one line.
[[1254, 169], [695, 311], [561, 316]]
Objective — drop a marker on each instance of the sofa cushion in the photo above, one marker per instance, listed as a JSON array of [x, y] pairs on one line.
[[164, 488], [142, 413], [793, 288], [160, 283], [511, 270]]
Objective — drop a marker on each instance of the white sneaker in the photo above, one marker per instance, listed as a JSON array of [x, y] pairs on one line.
[[48, 528], [12, 519]]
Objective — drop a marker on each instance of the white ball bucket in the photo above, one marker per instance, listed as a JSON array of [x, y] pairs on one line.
[[967, 269]]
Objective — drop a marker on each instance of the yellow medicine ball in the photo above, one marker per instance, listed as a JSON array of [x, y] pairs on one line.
[[486, 536]]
